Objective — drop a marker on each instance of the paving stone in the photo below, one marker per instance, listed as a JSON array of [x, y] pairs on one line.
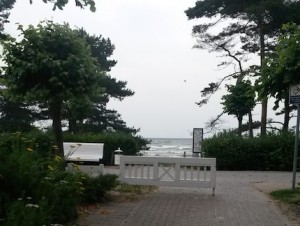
[[236, 203]]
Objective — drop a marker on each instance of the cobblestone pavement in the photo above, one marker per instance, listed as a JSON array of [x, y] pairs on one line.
[[239, 201]]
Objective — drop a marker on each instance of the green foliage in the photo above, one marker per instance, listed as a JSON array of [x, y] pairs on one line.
[[60, 4], [93, 115], [80, 3], [240, 28], [41, 142], [5, 6], [24, 212], [253, 18], [240, 100], [25, 174], [39, 191], [95, 188], [269, 152], [77, 109], [14, 116], [102, 49], [130, 145], [51, 65], [101, 119], [136, 189], [64, 76], [282, 68]]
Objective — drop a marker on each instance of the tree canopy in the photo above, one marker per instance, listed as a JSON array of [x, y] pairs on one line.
[[80, 3], [240, 101], [243, 27], [83, 114], [7, 5], [282, 69], [52, 64]]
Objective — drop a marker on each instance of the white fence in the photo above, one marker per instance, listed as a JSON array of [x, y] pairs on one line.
[[169, 171]]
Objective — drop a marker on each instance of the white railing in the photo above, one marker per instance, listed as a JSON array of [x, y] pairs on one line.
[[169, 171]]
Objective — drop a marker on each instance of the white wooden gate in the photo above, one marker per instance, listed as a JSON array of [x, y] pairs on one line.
[[169, 171]]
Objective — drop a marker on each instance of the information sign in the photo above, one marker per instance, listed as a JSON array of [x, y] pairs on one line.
[[197, 140], [294, 94]]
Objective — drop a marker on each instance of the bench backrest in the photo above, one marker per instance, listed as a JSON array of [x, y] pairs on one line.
[[76, 151]]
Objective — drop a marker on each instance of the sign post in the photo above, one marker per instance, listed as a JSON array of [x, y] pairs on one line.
[[197, 141], [294, 94]]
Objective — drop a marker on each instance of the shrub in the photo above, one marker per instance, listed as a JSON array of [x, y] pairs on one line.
[[95, 188], [25, 174], [36, 190], [41, 142], [23, 212], [270, 152]]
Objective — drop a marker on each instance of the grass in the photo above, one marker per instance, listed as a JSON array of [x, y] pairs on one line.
[[126, 192], [287, 196], [137, 189]]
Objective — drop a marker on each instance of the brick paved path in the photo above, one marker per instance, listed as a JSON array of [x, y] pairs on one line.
[[238, 202]]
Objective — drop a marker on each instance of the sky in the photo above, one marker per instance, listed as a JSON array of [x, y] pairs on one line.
[[155, 54]]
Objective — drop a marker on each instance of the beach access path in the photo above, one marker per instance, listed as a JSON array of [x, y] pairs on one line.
[[241, 200]]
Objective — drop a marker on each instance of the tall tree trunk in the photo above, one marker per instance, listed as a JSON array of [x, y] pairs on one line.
[[240, 119], [72, 125], [286, 114], [250, 124], [56, 112], [264, 107], [264, 102]]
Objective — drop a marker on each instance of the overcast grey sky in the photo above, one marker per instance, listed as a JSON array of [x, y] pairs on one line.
[[155, 56]]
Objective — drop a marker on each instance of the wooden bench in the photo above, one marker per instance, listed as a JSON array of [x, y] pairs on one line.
[[85, 156], [169, 171]]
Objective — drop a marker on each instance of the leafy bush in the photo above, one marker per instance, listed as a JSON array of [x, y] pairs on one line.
[[95, 188], [41, 142], [23, 212], [39, 191], [270, 152], [25, 174]]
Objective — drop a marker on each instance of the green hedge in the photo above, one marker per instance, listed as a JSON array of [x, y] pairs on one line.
[[270, 152]]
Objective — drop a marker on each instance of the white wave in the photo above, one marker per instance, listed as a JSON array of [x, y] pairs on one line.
[[169, 147], [185, 148]]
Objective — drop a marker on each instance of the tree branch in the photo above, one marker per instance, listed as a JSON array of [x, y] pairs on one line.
[[211, 125], [212, 89]]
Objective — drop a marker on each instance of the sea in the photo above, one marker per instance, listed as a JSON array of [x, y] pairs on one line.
[[169, 147]]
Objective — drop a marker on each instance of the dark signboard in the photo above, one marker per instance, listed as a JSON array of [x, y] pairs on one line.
[[197, 140]]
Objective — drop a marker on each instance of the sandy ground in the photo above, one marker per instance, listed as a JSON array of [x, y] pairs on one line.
[[292, 212]]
